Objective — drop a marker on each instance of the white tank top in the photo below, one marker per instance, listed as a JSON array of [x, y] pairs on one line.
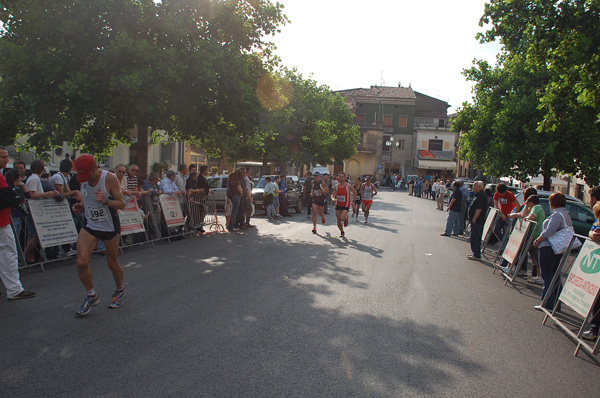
[[98, 216], [367, 192]]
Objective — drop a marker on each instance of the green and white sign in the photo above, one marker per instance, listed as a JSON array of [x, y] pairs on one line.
[[583, 282]]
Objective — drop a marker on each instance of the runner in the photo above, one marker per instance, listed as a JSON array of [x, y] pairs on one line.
[[318, 193], [357, 199], [101, 198], [368, 191], [342, 196]]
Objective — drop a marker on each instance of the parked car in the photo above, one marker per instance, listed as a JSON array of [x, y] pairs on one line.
[[293, 192], [218, 184], [582, 217], [546, 194]]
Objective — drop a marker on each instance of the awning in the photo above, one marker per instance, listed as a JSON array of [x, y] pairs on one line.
[[436, 164]]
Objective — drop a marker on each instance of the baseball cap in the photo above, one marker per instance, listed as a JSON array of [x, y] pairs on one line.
[[84, 165], [316, 173]]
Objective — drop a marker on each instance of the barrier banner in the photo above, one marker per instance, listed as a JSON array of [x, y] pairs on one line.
[[488, 222], [53, 222], [171, 210], [131, 218], [517, 236], [581, 287]]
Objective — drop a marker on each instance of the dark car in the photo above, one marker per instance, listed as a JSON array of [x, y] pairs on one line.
[[293, 192], [582, 217]]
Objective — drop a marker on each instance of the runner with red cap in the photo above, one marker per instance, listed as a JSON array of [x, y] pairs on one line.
[[102, 197]]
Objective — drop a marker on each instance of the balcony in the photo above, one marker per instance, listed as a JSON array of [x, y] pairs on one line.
[[367, 148]]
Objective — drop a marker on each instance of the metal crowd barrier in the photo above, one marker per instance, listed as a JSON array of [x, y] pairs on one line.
[[198, 212]]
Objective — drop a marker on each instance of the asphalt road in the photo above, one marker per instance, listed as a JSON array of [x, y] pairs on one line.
[[394, 310]]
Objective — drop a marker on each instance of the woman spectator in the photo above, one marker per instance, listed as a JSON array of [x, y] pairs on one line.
[[454, 209], [549, 261], [234, 193]]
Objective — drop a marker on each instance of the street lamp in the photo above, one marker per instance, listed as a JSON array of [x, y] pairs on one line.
[[391, 144]]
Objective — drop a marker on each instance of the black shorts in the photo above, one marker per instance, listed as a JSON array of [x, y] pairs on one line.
[[319, 200], [342, 208], [102, 235]]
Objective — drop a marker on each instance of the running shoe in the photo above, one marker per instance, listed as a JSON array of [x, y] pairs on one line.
[[366, 221], [23, 295], [88, 303], [323, 220], [117, 299], [342, 234], [314, 231]]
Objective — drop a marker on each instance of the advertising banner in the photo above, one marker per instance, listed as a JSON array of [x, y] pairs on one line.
[[581, 287], [516, 239], [131, 218], [171, 210], [53, 222], [488, 222]]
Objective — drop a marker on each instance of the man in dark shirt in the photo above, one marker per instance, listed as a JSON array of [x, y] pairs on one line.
[[307, 189], [477, 215], [454, 207]]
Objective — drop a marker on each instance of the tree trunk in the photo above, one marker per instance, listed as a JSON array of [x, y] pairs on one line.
[[141, 158], [547, 180], [265, 166]]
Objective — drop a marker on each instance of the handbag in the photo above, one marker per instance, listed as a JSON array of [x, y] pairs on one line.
[[561, 239]]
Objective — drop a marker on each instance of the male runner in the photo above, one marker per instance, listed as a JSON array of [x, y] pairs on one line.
[[357, 199], [318, 193], [101, 198], [342, 196], [368, 191]]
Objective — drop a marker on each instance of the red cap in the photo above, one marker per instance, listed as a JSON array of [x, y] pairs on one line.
[[84, 165]]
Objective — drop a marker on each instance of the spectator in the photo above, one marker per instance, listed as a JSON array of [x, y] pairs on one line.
[[441, 191], [276, 196], [9, 263], [477, 215], [121, 173], [60, 180], [19, 217], [307, 189], [411, 186], [454, 208], [34, 186], [594, 234], [191, 184], [234, 193], [133, 183], [549, 261], [182, 171], [505, 201], [168, 185], [592, 332], [283, 202], [151, 188], [490, 197], [21, 167], [269, 202], [191, 169], [463, 208], [247, 201]]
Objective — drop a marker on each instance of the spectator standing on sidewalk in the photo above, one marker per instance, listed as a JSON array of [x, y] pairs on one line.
[[283, 202], [454, 206], [505, 201], [307, 191], [9, 263], [247, 199], [477, 214]]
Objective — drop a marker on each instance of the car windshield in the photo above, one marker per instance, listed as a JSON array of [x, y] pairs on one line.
[[261, 183]]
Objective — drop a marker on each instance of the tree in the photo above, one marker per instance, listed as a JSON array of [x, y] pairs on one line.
[[300, 122], [89, 72], [546, 81]]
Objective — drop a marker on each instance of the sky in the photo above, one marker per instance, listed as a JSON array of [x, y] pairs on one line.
[[347, 44]]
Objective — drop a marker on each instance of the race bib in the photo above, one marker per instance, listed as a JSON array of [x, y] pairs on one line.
[[367, 195], [98, 214], [341, 199]]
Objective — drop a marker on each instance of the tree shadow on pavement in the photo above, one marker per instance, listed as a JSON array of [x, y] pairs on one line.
[[226, 316]]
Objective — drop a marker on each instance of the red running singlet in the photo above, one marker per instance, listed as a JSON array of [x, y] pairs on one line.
[[343, 195]]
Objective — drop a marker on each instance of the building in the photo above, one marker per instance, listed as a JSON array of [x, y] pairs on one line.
[[386, 117], [435, 144]]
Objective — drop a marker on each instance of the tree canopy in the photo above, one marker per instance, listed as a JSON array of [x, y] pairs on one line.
[[88, 72], [537, 110]]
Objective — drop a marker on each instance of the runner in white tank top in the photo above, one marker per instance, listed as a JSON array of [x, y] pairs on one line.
[[101, 198], [343, 195], [368, 191]]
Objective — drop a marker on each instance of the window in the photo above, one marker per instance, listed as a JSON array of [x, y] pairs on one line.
[[403, 121], [387, 120], [360, 117], [441, 123], [166, 153], [401, 144], [386, 138], [198, 159], [435, 145]]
